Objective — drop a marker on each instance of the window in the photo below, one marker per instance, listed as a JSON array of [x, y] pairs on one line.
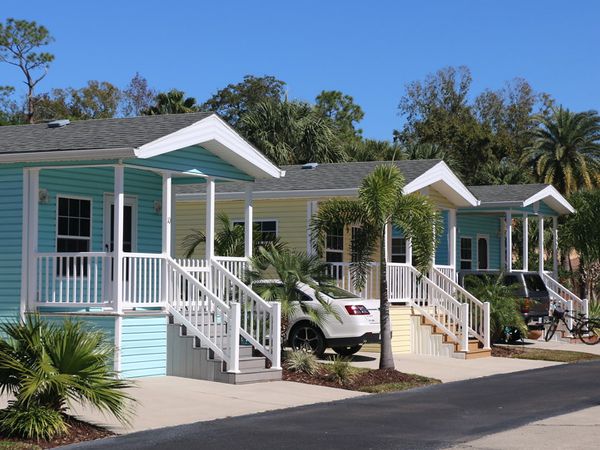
[[356, 234], [266, 230], [482, 253], [398, 250], [73, 232], [334, 245], [466, 253]]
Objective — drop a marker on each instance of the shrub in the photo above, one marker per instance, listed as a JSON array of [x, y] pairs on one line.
[[302, 361], [594, 310], [340, 370], [34, 422], [46, 367]]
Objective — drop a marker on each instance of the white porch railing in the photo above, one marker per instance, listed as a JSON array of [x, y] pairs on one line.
[[567, 299], [479, 312], [205, 316], [260, 321], [439, 307], [449, 271], [198, 268], [236, 265], [142, 280], [64, 279], [341, 274]]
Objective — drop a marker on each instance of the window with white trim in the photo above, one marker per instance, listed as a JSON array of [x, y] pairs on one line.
[[73, 231], [266, 229], [334, 245], [466, 253], [398, 254]]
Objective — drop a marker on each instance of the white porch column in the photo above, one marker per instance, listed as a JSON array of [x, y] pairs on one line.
[[388, 243], [452, 237], [32, 237], [248, 222], [541, 243], [555, 246], [210, 218], [408, 251], [509, 241], [166, 214], [119, 210], [525, 242]]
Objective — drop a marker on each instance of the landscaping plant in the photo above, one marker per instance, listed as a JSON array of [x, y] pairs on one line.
[[302, 361], [46, 367], [340, 370]]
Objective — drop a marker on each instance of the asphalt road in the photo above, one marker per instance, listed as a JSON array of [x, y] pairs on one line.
[[432, 417]]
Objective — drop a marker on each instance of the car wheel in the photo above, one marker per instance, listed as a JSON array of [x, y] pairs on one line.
[[308, 338], [348, 350]]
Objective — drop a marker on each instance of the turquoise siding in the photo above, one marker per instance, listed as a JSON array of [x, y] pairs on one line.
[[93, 183], [470, 225], [442, 251], [144, 346], [11, 205], [105, 324], [193, 160]]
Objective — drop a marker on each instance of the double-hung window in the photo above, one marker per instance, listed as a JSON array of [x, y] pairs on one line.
[[266, 229], [74, 232], [334, 245], [398, 250], [466, 253]]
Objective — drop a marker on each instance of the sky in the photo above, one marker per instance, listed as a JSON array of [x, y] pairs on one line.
[[367, 49]]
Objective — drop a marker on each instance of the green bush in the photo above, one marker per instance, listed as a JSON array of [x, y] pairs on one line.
[[302, 361], [34, 422], [47, 367], [340, 370], [594, 310]]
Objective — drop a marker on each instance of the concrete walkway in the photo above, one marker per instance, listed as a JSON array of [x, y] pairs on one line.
[[169, 401], [451, 369]]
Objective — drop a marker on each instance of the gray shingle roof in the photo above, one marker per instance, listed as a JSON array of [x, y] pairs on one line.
[[93, 134], [506, 192], [324, 176]]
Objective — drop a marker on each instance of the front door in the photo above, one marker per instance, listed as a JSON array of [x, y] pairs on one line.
[[129, 225]]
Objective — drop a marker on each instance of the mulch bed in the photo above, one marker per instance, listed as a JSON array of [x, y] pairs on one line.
[[540, 354], [78, 432], [361, 379]]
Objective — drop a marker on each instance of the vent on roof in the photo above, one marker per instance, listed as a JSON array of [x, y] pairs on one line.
[[310, 165], [59, 123]]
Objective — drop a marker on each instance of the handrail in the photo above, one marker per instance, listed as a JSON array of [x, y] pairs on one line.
[[479, 312], [260, 323], [204, 314]]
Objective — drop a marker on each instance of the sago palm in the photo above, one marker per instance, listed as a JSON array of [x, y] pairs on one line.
[[566, 150], [381, 203]]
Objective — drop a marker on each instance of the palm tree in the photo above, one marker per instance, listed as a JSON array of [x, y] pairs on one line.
[[381, 203], [566, 150], [45, 367], [291, 133], [229, 240], [172, 102]]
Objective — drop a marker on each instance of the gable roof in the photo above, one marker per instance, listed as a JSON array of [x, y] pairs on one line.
[[135, 137], [338, 179], [521, 195]]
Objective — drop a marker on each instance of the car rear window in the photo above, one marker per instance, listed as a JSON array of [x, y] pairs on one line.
[[336, 292], [534, 283]]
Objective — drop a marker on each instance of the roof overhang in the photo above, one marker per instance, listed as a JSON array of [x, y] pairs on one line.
[[443, 180], [553, 199], [68, 155], [219, 138]]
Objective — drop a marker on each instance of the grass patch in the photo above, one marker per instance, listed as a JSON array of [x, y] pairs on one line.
[[539, 354]]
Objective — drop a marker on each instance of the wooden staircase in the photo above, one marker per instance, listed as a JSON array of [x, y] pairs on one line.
[[440, 344], [187, 358]]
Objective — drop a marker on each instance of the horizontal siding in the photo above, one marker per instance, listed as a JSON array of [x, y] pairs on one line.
[[401, 327], [144, 346], [470, 225], [11, 229], [439, 200], [442, 250], [193, 160], [289, 214]]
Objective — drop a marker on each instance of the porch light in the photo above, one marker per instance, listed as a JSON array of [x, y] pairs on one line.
[[157, 206], [43, 196]]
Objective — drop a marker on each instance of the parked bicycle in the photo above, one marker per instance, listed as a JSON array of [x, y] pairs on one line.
[[587, 330]]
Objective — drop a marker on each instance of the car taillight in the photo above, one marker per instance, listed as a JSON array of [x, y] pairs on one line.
[[526, 305], [357, 310]]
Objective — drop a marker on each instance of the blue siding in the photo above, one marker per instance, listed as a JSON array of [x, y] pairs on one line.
[[11, 205], [93, 183], [193, 160], [470, 225], [144, 346], [106, 324], [442, 251]]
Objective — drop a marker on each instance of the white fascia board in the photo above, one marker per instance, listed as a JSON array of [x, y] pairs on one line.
[[218, 137], [553, 198], [271, 195], [68, 155], [443, 179]]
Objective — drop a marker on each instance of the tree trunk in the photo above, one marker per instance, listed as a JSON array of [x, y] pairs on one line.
[[386, 357], [30, 105]]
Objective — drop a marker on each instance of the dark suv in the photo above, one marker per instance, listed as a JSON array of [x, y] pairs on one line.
[[530, 288]]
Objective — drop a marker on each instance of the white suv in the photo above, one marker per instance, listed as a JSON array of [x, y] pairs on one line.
[[358, 324]]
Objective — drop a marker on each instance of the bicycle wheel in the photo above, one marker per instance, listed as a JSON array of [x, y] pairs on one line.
[[551, 330], [589, 332]]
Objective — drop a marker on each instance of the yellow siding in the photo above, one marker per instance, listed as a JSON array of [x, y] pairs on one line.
[[439, 199], [290, 215], [400, 317]]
